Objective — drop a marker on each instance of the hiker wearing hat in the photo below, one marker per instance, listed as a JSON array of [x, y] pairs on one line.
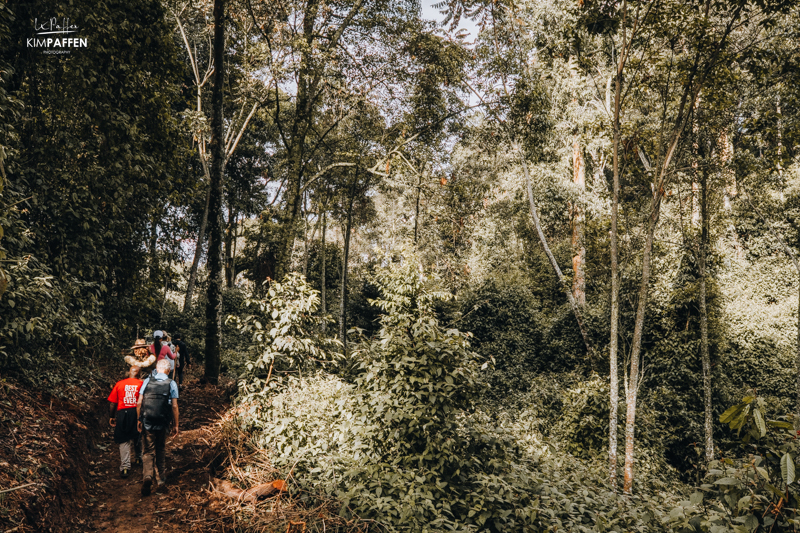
[[142, 356], [157, 409], [122, 412], [162, 351]]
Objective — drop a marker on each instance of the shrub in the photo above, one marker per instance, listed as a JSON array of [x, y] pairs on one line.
[[755, 488]]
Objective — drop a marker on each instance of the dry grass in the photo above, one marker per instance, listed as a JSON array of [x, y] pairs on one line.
[[238, 459]]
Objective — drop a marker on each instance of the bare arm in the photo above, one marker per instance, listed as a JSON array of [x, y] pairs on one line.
[[112, 409]]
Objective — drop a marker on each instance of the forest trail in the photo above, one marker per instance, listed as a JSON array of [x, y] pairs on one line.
[[182, 504]]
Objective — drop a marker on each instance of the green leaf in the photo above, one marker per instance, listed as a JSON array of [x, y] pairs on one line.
[[760, 421], [727, 481], [751, 522], [739, 421], [780, 425], [775, 490], [731, 413], [787, 469]]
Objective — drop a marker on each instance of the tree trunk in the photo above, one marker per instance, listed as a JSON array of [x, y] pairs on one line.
[[416, 212], [233, 256], [632, 386], [322, 304], [343, 300], [561, 280], [198, 252], [310, 239], [230, 238], [214, 305], [709, 420], [306, 87], [578, 246], [305, 244], [614, 333]]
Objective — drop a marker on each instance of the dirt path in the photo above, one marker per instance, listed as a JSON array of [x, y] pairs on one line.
[[117, 505]]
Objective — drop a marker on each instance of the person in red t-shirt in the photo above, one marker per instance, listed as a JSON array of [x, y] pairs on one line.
[[122, 409]]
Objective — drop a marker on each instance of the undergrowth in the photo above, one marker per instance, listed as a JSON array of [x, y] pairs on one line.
[[404, 447]]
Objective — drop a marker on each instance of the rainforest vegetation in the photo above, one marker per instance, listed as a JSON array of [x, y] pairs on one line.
[[531, 266]]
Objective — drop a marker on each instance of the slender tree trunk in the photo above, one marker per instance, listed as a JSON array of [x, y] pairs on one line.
[[305, 243], [709, 420], [230, 237], [233, 258], [416, 212], [214, 305], [322, 304], [310, 239], [632, 386], [578, 247], [343, 300], [198, 252], [614, 333], [562, 281], [304, 110]]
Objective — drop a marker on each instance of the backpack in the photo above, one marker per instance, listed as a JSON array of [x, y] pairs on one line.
[[156, 410]]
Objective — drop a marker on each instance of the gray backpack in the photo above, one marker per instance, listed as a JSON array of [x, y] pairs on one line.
[[156, 410]]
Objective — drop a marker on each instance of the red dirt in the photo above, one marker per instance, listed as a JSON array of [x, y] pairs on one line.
[[60, 458], [182, 504]]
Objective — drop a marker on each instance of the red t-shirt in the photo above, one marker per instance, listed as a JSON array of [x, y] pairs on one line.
[[125, 393]]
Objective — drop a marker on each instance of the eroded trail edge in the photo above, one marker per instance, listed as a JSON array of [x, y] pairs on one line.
[[182, 504]]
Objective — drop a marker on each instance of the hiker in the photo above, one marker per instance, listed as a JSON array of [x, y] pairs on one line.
[[156, 410], [162, 351], [123, 399], [142, 356], [175, 362], [183, 356]]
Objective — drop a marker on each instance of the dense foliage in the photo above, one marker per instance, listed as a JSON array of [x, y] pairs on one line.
[[426, 231]]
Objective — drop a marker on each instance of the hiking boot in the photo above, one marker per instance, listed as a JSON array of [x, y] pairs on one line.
[[125, 472], [147, 485]]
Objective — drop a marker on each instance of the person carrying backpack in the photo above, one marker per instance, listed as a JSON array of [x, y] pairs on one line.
[[157, 409], [122, 417]]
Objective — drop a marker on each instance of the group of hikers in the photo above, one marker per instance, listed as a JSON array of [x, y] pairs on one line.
[[143, 408]]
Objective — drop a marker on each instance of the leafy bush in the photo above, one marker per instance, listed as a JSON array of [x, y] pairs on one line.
[[407, 447], [285, 331], [756, 491]]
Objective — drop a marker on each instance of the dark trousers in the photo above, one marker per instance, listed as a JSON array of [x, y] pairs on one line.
[[179, 372], [154, 445]]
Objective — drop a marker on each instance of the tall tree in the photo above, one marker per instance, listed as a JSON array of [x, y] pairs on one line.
[[578, 221], [214, 303], [708, 422], [196, 40], [102, 161], [313, 47], [705, 45]]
